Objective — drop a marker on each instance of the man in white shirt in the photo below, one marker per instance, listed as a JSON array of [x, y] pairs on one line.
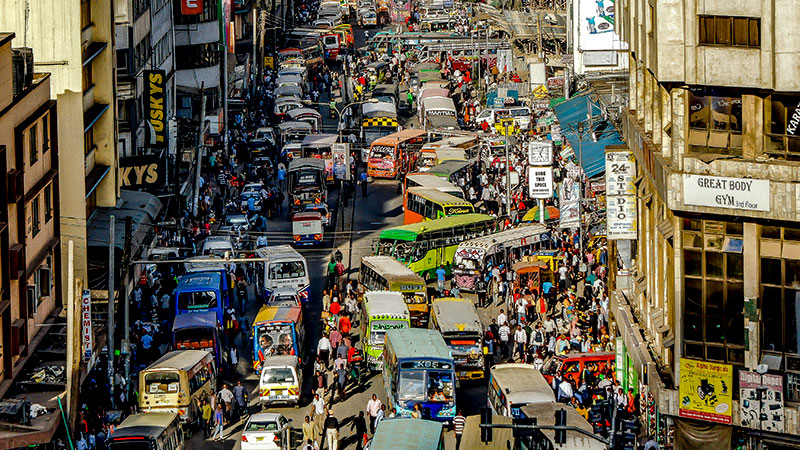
[[520, 339], [324, 349], [504, 333], [318, 410], [502, 319], [373, 407], [564, 391]]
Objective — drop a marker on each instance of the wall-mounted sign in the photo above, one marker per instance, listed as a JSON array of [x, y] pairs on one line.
[[142, 171], [540, 153], [540, 182], [621, 217], [793, 126], [570, 213], [87, 335], [155, 109], [341, 161], [191, 7], [724, 192], [596, 24], [705, 391], [761, 401], [620, 173]]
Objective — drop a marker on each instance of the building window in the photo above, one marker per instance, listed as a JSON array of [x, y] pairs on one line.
[[45, 133], [715, 123], [122, 62], [35, 217], [782, 122], [87, 80], [197, 56], [88, 141], [729, 31], [86, 13], [33, 148], [91, 203], [48, 203], [713, 291]]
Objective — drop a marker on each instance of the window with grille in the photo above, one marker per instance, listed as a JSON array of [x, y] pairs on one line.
[[727, 31]]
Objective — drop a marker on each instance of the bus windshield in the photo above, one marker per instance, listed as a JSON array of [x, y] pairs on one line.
[[382, 151], [463, 344], [162, 382], [275, 339], [286, 270], [197, 300], [138, 444], [440, 386], [414, 298], [413, 386]]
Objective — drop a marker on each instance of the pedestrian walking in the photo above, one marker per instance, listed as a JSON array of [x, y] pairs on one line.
[[458, 427], [318, 411], [310, 430], [219, 420], [207, 414], [332, 431], [440, 274], [360, 426], [240, 395], [373, 408]]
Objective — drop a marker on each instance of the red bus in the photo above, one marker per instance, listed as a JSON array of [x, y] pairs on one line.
[[387, 155]]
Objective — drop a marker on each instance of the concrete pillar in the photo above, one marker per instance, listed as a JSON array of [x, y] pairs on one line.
[[680, 128], [647, 84], [753, 126], [752, 270]]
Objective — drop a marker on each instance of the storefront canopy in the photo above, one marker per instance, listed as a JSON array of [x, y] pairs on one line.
[[575, 111]]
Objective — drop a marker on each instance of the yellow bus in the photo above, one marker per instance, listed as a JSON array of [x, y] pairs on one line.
[[424, 203], [384, 273], [177, 382]]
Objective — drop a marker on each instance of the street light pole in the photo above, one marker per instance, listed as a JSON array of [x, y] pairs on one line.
[[508, 174]]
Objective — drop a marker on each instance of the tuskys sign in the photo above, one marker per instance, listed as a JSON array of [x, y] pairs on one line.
[[728, 193]]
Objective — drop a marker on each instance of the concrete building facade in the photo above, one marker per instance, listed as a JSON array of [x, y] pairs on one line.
[[74, 41], [29, 223], [714, 124]]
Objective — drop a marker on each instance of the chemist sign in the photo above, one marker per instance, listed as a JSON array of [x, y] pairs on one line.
[[540, 182], [87, 337], [723, 192]]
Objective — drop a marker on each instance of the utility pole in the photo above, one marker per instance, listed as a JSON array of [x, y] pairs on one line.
[[126, 257], [199, 150], [508, 174], [72, 330], [225, 143], [110, 324]]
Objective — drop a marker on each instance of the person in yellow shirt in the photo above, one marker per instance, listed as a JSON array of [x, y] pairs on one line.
[[207, 413]]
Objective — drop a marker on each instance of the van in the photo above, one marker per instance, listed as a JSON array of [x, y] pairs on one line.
[[522, 116], [491, 116], [280, 380], [571, 366], [218, 246]]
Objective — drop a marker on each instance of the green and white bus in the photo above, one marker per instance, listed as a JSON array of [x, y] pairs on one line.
[[426, 245], [383, 311]]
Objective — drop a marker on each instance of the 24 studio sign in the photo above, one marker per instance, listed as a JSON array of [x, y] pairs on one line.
[[724, 192]]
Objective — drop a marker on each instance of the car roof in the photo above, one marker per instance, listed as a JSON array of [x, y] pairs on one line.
[[264, 417]]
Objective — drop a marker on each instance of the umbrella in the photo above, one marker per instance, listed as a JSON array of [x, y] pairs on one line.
[[550, 213]]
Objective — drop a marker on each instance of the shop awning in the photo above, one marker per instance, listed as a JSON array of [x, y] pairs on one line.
[[574, 111], [141, 207]]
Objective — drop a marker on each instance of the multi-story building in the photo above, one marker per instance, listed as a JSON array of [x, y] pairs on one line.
[[710, 318], [29, 224], [74, 41], [198, 57], [144, 41]]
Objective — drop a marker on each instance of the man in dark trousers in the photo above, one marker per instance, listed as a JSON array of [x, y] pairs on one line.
[[360, 425], [363, 181]]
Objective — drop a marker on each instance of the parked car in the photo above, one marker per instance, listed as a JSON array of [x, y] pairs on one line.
[[266, 431]]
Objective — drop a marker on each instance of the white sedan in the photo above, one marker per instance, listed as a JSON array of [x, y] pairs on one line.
[[266, 431]]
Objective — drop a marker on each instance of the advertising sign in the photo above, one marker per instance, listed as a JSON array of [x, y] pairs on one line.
[[540, 182], [761, 401], [620, 173], [191, 7], [155, 99], [142, 171], [621, 217], [341, 161], [87, 335], [705, 391], [570, 213], [596, 24], [540, 153], [723, 192]]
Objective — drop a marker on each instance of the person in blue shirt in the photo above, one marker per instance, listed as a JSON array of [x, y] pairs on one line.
[[440, 273], [363, 180]]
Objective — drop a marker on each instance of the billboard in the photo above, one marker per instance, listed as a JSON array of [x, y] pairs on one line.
[[191, 7], [540, 182], [706, 391], [155, 114], [87, 333], [761, 401], [570, 211], [143, 171], [621, 194], [341, 161], [596, 24]]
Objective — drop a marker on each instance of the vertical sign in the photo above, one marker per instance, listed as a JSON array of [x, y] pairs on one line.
[[620, 361], [86, 325], [620, 195], [705, 391], [761, 401], [570, 209], [155, 109], [341, 161], [540, 182], [191, 7]]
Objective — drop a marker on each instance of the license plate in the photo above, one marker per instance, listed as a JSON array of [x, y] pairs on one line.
[[260, 438]]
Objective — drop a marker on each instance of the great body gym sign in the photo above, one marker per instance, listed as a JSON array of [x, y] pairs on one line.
[[723, 192]]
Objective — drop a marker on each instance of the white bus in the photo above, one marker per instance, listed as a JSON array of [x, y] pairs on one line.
[[283, 267], [148, 431], [514, 385]]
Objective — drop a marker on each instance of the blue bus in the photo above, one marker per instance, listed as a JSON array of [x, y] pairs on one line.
[[416, 434], [419, 369], [200, 331], [202, 291]]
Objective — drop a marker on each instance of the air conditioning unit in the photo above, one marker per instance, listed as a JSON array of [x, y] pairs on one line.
[[22, 66]]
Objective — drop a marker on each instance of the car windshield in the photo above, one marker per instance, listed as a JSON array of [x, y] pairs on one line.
[[286, 270], [162, 382], [198, 300], [262, 426], [468, 264], [414, 297], [274, 375]]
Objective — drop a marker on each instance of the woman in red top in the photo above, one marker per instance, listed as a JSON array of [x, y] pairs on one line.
[[344, 325]]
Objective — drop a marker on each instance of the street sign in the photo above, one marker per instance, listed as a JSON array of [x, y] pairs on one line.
[[540, 182]]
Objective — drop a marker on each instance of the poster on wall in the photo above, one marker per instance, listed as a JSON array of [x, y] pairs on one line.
[[761, 401], [570, 212], [706, 391], [596, 24], [341, 161], [620, 173]]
